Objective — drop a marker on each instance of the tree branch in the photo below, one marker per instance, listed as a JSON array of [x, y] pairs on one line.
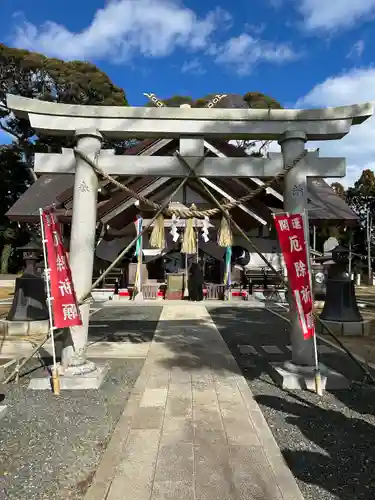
[[25, 144]]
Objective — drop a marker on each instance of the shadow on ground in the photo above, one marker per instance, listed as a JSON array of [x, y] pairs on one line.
[[131, 324], [343, 461]]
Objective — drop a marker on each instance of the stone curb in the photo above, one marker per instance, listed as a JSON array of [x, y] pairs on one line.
[[286, 482], [21, 328], [354, 329], [114, 452]]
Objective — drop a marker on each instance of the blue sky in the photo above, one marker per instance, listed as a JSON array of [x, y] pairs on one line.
[[306, 53]]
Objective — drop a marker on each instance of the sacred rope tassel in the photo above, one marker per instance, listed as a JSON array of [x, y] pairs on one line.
[[225, 233], [189, 243], [157, 238]]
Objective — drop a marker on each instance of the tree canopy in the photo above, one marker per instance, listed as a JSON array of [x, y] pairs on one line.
[[33, 75], [361, 198], [339, 189], [255, 100]]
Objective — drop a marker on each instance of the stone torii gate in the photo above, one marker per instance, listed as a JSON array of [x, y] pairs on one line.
[[89, 124]]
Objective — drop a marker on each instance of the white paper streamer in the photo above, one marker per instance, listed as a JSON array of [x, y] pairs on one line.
[[174, 231], [205, 233]]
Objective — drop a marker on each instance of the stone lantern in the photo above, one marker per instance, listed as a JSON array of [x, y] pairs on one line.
[[31, 255], [29, 302]]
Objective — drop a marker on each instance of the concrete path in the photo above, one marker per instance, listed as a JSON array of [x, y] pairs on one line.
[[191, 429]]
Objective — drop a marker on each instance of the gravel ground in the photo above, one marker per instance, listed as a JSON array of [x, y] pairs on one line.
[[50, 446], [328, 443]]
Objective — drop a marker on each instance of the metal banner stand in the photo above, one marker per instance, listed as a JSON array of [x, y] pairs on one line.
[[318, 378], [55, 375]]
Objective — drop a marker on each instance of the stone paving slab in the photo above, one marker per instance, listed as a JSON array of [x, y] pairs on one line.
[[192, 429]]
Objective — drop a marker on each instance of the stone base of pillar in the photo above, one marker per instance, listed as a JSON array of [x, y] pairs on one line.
[[82, 377], [290, 376], [351, 328], [3, 411], [24, 328]]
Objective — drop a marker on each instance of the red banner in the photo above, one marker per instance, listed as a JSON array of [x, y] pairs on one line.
[[64, 301], [290, 229]]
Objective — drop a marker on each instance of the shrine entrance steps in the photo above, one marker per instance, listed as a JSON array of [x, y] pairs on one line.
[[192, 429]]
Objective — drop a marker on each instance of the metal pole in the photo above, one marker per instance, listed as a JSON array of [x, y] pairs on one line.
[[56, 386], [368, 227], [350, 255], [318, 379], [186, 289], [314, 237], [139, 277]]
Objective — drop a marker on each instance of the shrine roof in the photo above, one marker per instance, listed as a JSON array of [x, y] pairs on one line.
[[42, 193], [325, 205]]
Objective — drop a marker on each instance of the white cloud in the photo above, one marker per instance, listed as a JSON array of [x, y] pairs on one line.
[[358, 147], [193, 66], [244, 52], [356, 50], [124, 28], [329, 15], [355, 86]]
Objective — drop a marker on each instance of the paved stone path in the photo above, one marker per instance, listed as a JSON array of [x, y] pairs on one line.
[[191, 429]]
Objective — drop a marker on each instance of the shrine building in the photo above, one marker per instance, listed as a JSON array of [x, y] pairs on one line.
[[117, 211]]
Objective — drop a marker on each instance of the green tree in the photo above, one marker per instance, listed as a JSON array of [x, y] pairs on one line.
[[257, 100], [33, 75], [339, 189], [14, 181], [361, 198]]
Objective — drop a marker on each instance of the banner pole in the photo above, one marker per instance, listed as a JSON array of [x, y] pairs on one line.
[[230, 276], [139, 251], [140, 258], [318, 378], [55, 375], [186, 288]]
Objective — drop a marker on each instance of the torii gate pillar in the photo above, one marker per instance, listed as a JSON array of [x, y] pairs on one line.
[[81, 254], [295, 202], [299, 373]]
